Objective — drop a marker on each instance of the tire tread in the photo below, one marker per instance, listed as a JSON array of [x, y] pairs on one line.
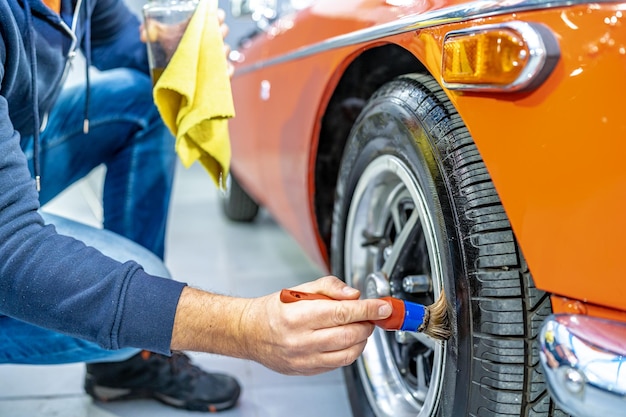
[[507, 308]]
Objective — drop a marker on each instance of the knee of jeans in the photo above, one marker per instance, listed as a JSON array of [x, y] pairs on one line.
[[129, 78], [130, 88], [137, 87], [111, 244]]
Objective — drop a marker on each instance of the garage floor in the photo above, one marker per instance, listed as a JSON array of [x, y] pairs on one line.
[[209, 252]]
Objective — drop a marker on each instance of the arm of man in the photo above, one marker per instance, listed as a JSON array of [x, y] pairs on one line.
[[303, 338], [115, 37]]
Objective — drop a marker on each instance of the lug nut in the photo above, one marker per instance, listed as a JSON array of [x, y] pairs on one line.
[[413, 284]]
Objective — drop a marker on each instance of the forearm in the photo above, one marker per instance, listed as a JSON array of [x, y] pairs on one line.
[[211, 323], [115, 37]]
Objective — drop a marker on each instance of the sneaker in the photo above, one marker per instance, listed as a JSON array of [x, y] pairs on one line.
[[174, 381]]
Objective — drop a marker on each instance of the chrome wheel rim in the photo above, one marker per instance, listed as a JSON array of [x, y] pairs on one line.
[[390, 233]]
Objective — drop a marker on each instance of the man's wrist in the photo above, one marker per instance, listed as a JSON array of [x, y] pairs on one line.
[[211, 323]]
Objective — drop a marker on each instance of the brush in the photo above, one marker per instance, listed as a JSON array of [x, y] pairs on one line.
[[431, 320]]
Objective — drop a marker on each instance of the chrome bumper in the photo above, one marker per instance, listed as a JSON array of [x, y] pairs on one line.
[[584, 361]]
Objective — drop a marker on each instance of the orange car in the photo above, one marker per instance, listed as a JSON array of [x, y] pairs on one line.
[[474, 148]]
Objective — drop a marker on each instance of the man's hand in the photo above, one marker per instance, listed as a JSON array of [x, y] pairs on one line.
[[303, 338], [224, 29], [169, 35]]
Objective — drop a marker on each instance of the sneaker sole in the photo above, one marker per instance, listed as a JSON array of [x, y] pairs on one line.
[[108, 394], [213, 408]]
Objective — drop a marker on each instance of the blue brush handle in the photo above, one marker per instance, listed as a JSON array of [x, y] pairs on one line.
[[413, 316]]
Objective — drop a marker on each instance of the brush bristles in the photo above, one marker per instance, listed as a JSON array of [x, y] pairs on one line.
[[436, 322]]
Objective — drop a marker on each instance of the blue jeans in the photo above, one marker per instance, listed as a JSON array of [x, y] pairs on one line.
[[127, 135]]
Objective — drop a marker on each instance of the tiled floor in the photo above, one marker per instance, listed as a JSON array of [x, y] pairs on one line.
[[206, 251]]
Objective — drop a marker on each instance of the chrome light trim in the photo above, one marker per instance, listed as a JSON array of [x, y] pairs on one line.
[[543, 49], [417, 21], [584, 361]]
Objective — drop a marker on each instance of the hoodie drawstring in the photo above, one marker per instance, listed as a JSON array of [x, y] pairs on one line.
[[87, 53], [30, 44]]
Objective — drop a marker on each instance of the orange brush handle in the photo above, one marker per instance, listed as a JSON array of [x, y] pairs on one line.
[[290, 296], [393, 322]]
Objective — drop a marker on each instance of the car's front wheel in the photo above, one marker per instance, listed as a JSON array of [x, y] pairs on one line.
[[416, 215]]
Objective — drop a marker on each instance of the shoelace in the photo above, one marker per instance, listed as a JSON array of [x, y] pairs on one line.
[[180, 364]]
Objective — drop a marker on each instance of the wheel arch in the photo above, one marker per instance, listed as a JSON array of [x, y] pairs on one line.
[[361, 78]]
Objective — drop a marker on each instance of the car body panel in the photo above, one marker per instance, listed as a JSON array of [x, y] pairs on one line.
[[555, 153]]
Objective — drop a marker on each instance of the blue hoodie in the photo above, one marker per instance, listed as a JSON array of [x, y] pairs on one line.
[[47, 279]]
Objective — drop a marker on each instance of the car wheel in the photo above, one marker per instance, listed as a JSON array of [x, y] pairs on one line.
[[416, 214], [237, 205]]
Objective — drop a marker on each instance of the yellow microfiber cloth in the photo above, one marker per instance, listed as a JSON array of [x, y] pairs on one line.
[[193, 95]]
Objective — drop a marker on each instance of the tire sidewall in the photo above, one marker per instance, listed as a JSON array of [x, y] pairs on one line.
[[388, 126]]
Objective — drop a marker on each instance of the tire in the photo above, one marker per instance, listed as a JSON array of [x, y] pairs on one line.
[[237, 205], [414, 198]]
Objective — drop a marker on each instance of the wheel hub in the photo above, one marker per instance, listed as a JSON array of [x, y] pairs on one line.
[[377, 285]]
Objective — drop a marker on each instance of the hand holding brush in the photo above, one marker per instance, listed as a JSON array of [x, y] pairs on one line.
[[409, 316]]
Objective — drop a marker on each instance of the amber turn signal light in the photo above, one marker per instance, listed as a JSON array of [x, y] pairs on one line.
[[508, 57]]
